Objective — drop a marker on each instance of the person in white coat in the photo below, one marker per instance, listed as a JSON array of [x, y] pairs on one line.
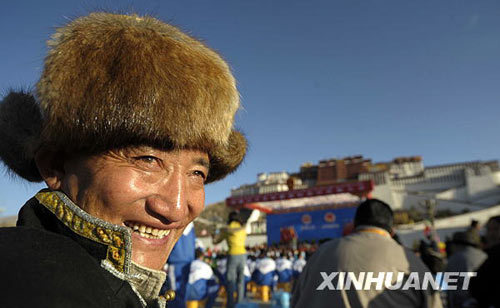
[[202, 283], [299, 264]]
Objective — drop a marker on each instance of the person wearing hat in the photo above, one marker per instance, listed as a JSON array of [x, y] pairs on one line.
[[129, 120], [369, 249], [484, 287], [466, 257]]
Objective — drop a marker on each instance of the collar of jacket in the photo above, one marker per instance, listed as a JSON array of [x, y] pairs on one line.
[[117, 241], [372, 229]]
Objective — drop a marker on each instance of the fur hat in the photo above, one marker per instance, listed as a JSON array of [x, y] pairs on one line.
[[111, 81]]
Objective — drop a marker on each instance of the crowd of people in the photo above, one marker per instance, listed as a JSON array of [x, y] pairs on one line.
[[372, 246], [274, 268], [201, 274], [467, 251]]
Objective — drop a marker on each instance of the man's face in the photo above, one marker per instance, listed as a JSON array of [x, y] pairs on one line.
[[153, 192]]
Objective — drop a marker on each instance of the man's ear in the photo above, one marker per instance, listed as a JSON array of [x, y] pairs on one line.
[[51, 167]]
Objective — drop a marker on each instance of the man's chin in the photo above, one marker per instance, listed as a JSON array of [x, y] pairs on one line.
[[151, 253]]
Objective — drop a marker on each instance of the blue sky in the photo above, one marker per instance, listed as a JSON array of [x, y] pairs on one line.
[[318, 79]]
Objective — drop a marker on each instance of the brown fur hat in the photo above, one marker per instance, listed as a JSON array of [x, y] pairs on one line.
[[111, 81]]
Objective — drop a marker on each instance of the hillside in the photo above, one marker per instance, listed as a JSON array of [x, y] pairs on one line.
[[215, 213]]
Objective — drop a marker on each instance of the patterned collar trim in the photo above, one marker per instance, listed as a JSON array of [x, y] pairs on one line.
[[117, 238]]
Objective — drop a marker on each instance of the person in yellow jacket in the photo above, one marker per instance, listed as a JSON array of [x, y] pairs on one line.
[[235, 236]]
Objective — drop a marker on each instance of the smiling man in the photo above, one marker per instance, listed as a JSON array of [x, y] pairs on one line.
[[130, 119]]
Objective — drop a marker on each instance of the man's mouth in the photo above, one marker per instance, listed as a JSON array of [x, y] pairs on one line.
[[147, 231]]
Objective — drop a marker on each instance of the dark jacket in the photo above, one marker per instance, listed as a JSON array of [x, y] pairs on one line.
[[466, 258], [486, 286], [59, 256]]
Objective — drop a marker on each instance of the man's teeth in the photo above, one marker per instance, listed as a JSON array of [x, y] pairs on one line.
[[146, 231]]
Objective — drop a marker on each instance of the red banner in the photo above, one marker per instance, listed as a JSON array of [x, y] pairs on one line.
[[363, 187]]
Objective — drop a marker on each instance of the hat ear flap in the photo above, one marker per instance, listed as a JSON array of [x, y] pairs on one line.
[[20, 126], [225, 160]]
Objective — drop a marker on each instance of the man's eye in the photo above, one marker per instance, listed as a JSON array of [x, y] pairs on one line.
[[146, 159], [201, 174]]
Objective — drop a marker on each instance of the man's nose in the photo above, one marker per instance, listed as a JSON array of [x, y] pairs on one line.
[[170, 200]]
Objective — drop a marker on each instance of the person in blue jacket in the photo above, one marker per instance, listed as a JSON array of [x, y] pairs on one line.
[[202, 283], [178, 267], [284, 270], [265, 271]]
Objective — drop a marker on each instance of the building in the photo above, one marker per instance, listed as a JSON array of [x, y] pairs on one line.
[[458, 187], [266, 183], [464, 190], [406, 166], [333, 171], [308, 174], [404, 182]]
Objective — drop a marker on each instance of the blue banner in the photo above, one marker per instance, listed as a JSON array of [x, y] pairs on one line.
[[310, 225]]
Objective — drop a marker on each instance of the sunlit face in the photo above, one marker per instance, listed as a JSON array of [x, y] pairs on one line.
[[153, 192]]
